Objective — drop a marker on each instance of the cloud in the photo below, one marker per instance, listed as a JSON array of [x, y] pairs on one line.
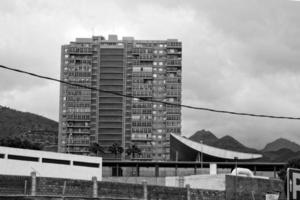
[[237, 55]]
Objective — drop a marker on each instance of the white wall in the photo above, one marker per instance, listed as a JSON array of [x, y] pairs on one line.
[[24, 168], [209, 182]]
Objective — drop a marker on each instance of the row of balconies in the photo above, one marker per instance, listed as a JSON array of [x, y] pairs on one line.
[[78, 50], [173, 62], [84, 74], [174, 51], [174, 44]]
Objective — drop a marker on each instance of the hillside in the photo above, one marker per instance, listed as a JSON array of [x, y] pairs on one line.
[[281, 155], [14, 123], [226, 142], [206, 137], [282, 143], [28, 126]]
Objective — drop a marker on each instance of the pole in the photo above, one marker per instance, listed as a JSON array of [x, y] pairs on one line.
[[235, 182], [145, 189], [33, 183], [95, 187], [201, 155]]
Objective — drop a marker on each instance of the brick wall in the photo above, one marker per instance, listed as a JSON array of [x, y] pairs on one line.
[[247, 188]]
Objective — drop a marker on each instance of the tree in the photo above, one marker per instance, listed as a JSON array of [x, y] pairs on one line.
[[18, 143], [116, 149], [95, 148], [133, 150], [292, 163]]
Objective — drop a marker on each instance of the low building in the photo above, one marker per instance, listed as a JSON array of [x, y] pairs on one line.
[[22, 162]]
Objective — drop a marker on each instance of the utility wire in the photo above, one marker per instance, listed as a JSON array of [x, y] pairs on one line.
[[150, 100]]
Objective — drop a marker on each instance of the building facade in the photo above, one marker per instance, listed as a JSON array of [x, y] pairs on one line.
[[131, 80]]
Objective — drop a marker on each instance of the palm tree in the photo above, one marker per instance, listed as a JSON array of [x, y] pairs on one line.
[[116, 149], [133, 150], [95, 148]]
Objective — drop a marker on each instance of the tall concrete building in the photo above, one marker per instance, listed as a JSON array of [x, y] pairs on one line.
[[146, 70]]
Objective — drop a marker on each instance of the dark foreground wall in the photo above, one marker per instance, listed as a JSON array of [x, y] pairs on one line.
[[252, 188], [22, 188]]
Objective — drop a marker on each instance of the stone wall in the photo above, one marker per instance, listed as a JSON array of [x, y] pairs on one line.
[[136, 180], [15, 184], [246, 188], [41, 188]]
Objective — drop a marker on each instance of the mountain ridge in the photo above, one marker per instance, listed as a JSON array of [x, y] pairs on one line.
[[281, 143]]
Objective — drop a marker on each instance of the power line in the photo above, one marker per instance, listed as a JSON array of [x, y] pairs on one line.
[[150, 100]]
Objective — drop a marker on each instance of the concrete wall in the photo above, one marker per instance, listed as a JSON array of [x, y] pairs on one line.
[[22, 162], [246, 188], [137, 180], [207, 182]]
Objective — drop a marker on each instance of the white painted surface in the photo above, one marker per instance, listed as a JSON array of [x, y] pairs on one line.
[[212, 168], [216, 152], [208, 182], [242, 172], [24, 168]]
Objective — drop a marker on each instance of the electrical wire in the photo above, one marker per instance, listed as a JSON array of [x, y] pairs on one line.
[[151, 100]]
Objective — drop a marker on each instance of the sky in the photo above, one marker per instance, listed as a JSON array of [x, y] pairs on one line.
[[241, 56]]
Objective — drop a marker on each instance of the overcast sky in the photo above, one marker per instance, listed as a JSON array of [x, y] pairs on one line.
[[238, 55]]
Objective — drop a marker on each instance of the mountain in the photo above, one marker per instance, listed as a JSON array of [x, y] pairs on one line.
[[282, 143], [14, 123], [226, 142], [281, 155], [24, 125], [206, 137], [229, 143]]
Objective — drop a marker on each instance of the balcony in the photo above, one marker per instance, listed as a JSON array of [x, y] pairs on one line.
[[174, 45], [174, 63]]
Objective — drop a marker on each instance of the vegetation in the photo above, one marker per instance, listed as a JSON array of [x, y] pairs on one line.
[[293, 163], [13, 123], [96, 149], [116, 149], [18, 143], [133, 150]]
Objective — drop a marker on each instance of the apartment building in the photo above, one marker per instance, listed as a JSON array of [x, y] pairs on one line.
[[131, 79]]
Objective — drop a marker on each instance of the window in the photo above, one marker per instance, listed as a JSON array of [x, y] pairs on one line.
[[56, 161], [86, 164], [2, 155], [23, 158]]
